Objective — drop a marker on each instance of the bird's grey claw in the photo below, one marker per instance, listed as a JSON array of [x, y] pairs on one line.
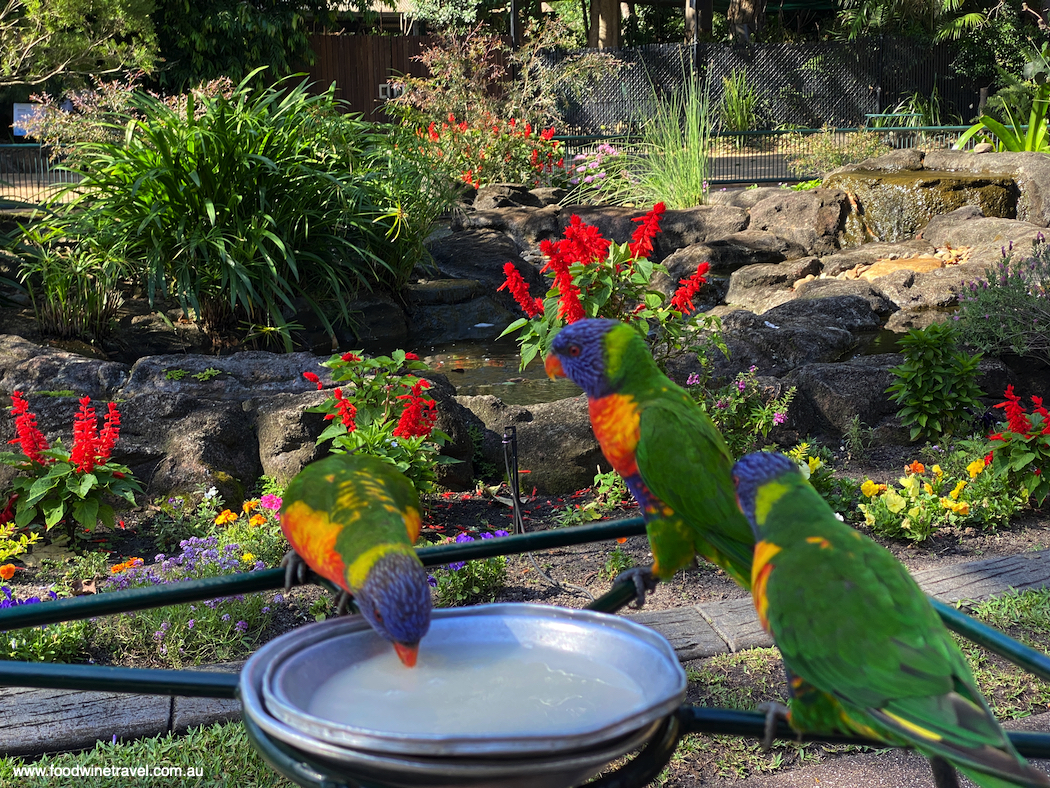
[[774, 713], [294, 570], [342, 603], [644, 581]]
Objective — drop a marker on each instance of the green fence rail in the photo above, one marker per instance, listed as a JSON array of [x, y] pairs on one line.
[[689, 719]]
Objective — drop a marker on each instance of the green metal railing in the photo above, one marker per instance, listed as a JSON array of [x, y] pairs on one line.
[[28, 174], [689, 719], [745, 157]]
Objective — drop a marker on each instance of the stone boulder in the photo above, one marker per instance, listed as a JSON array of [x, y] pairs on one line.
[[286, 433], [847, 259], [376, 318], [830, 288], [764, 286], [839, 392], [555, 441], [848, 312], [1030, 171], [746, 198], [525, 227], [968, 226], [726, 255], [504, 195], [814, 219], [26, 366]]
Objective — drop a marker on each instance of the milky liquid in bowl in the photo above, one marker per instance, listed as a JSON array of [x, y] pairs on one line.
[[489, 689]]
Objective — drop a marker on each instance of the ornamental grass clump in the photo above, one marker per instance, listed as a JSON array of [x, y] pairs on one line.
[[382, 409], [594, 277], [215, 630], [1020, 450], [55, 486]]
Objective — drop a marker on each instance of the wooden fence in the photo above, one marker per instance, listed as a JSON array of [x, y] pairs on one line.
[[360, 67]]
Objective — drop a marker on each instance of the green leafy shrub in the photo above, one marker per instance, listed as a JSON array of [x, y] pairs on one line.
[[470, 582], [935, 386], [738, 109], [1020, 449], [618, 562], [63, 642], [382, 411], [1009, 310], [69, 487], [743, 410], [610, 495], [840, 492], [830, 149], [236, 205]]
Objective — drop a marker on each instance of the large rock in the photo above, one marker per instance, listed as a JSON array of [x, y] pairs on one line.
[[504, 195], [555, 441], [726, 255], [524, 227], [286, 433], [831, 288], [1030, 171], [376, 318], [761, 287], [968, 226], [25, 366], [848, 312], [854, 388], [843, 261], [813, 219]]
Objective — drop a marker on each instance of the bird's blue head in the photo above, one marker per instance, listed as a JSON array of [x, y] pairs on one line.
[[395, 600], [578, 353], [751, 472]]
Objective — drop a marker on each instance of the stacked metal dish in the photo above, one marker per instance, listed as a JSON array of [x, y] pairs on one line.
[[291, 689]]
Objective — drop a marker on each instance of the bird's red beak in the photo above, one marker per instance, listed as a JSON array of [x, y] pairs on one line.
[[407, 654], [553, 367]]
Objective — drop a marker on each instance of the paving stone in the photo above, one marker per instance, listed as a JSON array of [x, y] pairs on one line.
[[685, 629], [736, 622], [981, 579], [51, 720]]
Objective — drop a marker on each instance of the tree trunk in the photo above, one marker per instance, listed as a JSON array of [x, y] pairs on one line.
[[605, 24], [746, 18]]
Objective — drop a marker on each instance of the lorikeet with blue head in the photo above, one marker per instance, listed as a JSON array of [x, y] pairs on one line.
[[353, 520], [856, 630], [672, 458]]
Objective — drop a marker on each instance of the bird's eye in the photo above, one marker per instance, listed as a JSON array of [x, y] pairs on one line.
[[377, 614], [573, 350]]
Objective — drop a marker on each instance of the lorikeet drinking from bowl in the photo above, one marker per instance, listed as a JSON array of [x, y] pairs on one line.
[[353, 519], [665, 447], [861, 637]]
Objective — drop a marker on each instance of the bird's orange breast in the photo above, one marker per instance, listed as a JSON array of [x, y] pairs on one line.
[[615, 419], [312, 535]]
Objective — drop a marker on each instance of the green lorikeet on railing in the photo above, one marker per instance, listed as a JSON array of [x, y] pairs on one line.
[[670, 455], [857, 631], [353, 519]]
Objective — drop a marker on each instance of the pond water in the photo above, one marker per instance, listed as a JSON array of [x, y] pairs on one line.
[[491, 367]]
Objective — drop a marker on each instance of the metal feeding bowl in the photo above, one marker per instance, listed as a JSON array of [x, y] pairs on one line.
[[502, 695]]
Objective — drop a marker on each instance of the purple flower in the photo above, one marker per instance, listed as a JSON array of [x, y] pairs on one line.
[[432, 581], [190, 623], [455, 566], [278, 598], [225, 616], [693, 380], [485, 536], [464, 538], [741, 385], [779, 418], [241, 626], [265, 609], [500, 532], [754, 368]]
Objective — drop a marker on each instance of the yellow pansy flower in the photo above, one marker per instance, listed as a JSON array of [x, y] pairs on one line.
[[963, 508], [910, 485], [894, 502], [937, 471], [248, 558], [958, 489], [928, 488], [975, 468], [870, 488]]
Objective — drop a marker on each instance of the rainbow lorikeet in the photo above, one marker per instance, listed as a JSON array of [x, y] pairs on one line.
[[353, 519], [855, 628], [665, 447]]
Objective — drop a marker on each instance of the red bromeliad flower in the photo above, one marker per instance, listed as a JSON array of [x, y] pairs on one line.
[[682, 300], [1015, 416], [312, 377], [29, 436], [519, 288], [85, 438], [346, 410], [420, 414], [641, 244]]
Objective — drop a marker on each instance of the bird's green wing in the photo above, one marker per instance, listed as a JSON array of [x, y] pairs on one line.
[[684, 462], [341, 513], [851, 621]]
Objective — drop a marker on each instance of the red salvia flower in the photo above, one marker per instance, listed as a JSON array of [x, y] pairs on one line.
[[433, 133], [411, 357], [110, 432], [312, 377], [350, 357], [519, 288], [85, 438], [29, 436], [1016, 418], [570, 307], [547, 134], [682, 300], [419, 416], [346, 410], [988, 458], [534, 159], [641, 244]]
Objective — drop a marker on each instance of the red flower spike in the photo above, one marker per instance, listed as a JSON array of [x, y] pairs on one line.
[[641, 244], [28, 435], [547, 134], [418, 417], [432, 132], [85, 438], [519, 288], [110, 433], [1016, 418], [346, 409], [312, 377], [682, 300], [350, 357]]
